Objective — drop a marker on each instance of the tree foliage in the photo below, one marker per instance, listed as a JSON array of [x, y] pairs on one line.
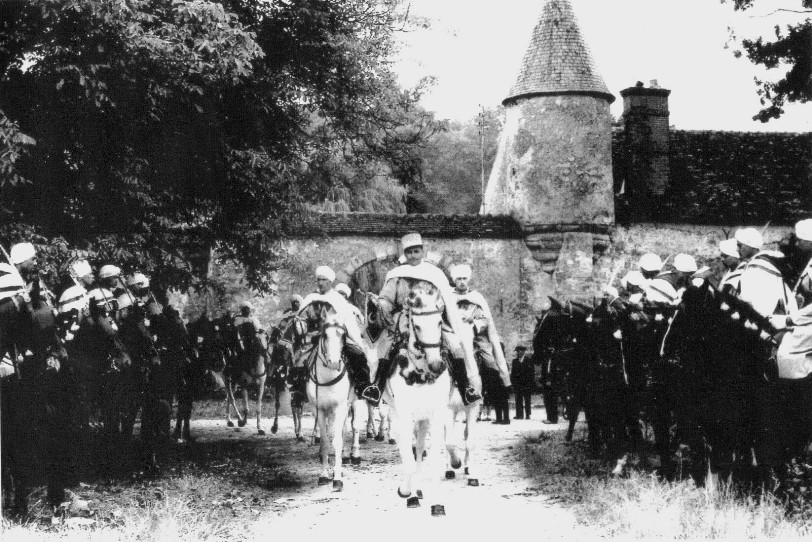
[[791, 50], [452, 166], [147, 132]]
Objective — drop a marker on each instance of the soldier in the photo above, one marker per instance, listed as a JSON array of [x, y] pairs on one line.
[[110, 279], [295, 305], [356, 353], [650, 265], [634, 287], [475, 312], [522, 375], [667, 287], [748, 243], [138, 286], [24, 258], [390, 303], [345, 292], [245, 316], [732, 263], [794, 355], [81, 271]]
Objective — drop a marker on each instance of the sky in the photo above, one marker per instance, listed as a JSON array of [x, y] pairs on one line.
[[474, 49]]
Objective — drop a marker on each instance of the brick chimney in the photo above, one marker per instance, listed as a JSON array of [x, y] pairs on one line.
[[645, 118]]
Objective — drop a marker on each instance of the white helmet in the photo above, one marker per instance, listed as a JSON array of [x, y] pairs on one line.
[[685, 263], [137, 280], [109, 271], [343, 289], [22, 252], [650, 262], [74, 297], [81, 268], [750, 237]]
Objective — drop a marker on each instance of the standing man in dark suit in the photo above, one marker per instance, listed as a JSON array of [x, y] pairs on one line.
[[522, 376]]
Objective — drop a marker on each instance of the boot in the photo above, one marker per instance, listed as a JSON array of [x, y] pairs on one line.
[[467, 393]]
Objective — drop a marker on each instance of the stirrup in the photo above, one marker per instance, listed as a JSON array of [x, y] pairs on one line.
[[470, 396], [372, 394]]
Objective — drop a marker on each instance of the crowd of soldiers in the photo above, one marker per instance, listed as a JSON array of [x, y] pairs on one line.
[[730, 368]]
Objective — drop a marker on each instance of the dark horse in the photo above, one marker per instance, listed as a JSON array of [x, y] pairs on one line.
[[36, 400]]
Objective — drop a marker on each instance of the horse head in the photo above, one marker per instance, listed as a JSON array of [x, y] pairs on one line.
[[425, 331], [333, 337]]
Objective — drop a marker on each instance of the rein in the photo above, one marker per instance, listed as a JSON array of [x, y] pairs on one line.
[[318, 355]]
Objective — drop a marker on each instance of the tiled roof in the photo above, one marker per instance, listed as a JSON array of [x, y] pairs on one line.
[[558, 60]]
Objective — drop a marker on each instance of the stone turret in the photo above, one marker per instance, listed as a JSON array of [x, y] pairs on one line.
[[553, 169]]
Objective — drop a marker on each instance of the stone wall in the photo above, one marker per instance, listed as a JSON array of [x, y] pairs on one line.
[[504, 269]]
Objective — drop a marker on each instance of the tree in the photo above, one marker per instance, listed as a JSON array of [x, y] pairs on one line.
[[792, 49], [148, 132], [452, 165]]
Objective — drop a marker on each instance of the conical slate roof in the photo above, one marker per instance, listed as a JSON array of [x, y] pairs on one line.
[[558, 60]]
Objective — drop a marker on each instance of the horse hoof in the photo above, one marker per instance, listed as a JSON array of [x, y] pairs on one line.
[[378, 438], [323, 480], [242, 423], [300, 438], [437, 510], [260, 432], [338, 485], [369, 434], [419, 493], [392, 441], [355, 460], [274, 429], [230, 423], [473, 482], [450, 475], [316, 440], [466, 471], [345, 460], [456, 463], [403, 495], [412, 502]]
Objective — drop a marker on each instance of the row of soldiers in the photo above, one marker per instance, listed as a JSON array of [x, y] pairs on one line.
[[756, 407], [469, 334]]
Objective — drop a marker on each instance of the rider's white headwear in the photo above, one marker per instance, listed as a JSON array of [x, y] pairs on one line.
[[74, 297], [410, 240], [137, 280], [81, 268], [296, 297], [324, 272], [460, 271], [109, 271], [750, 237], [650, 262], [685, 263], [633, 278], [803, 229], [729, 247], [343, 289], [22, 252]]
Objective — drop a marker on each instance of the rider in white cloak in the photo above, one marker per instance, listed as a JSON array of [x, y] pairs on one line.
[[391, 301], [480, 326], [359, 357]]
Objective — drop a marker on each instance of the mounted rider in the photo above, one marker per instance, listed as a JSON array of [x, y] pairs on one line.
[[391, 302], [731, 260], [650, 266], [476, 314], [358, 356], [667, 287]]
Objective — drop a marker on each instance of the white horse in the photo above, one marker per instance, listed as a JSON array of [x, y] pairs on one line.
[[250, 369], [329, 390], [418, 393]]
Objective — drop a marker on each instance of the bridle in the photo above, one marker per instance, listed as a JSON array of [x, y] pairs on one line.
[[319, 356]]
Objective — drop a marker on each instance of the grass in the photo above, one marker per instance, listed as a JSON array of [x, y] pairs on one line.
[[642, 506]]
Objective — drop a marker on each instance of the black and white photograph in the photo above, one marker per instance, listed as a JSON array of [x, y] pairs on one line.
[[405, 269]]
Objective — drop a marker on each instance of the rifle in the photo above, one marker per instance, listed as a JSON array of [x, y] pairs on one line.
[[732, 304]]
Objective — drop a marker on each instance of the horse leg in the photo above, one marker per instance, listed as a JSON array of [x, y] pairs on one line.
[[431, 467], [276, 400], [324, 452], [404, 431], [370, 420], [230, 402], [337, 419], [243, 419], [450, 438], [357, 427], [471, 441], [259, 406], [317, 432]]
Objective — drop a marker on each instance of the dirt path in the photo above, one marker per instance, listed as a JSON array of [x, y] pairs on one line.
[[507, 497]]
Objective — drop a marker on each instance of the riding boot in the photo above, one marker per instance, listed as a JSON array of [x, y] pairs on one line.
[[358, 369], [460, 377], [372, 393]]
